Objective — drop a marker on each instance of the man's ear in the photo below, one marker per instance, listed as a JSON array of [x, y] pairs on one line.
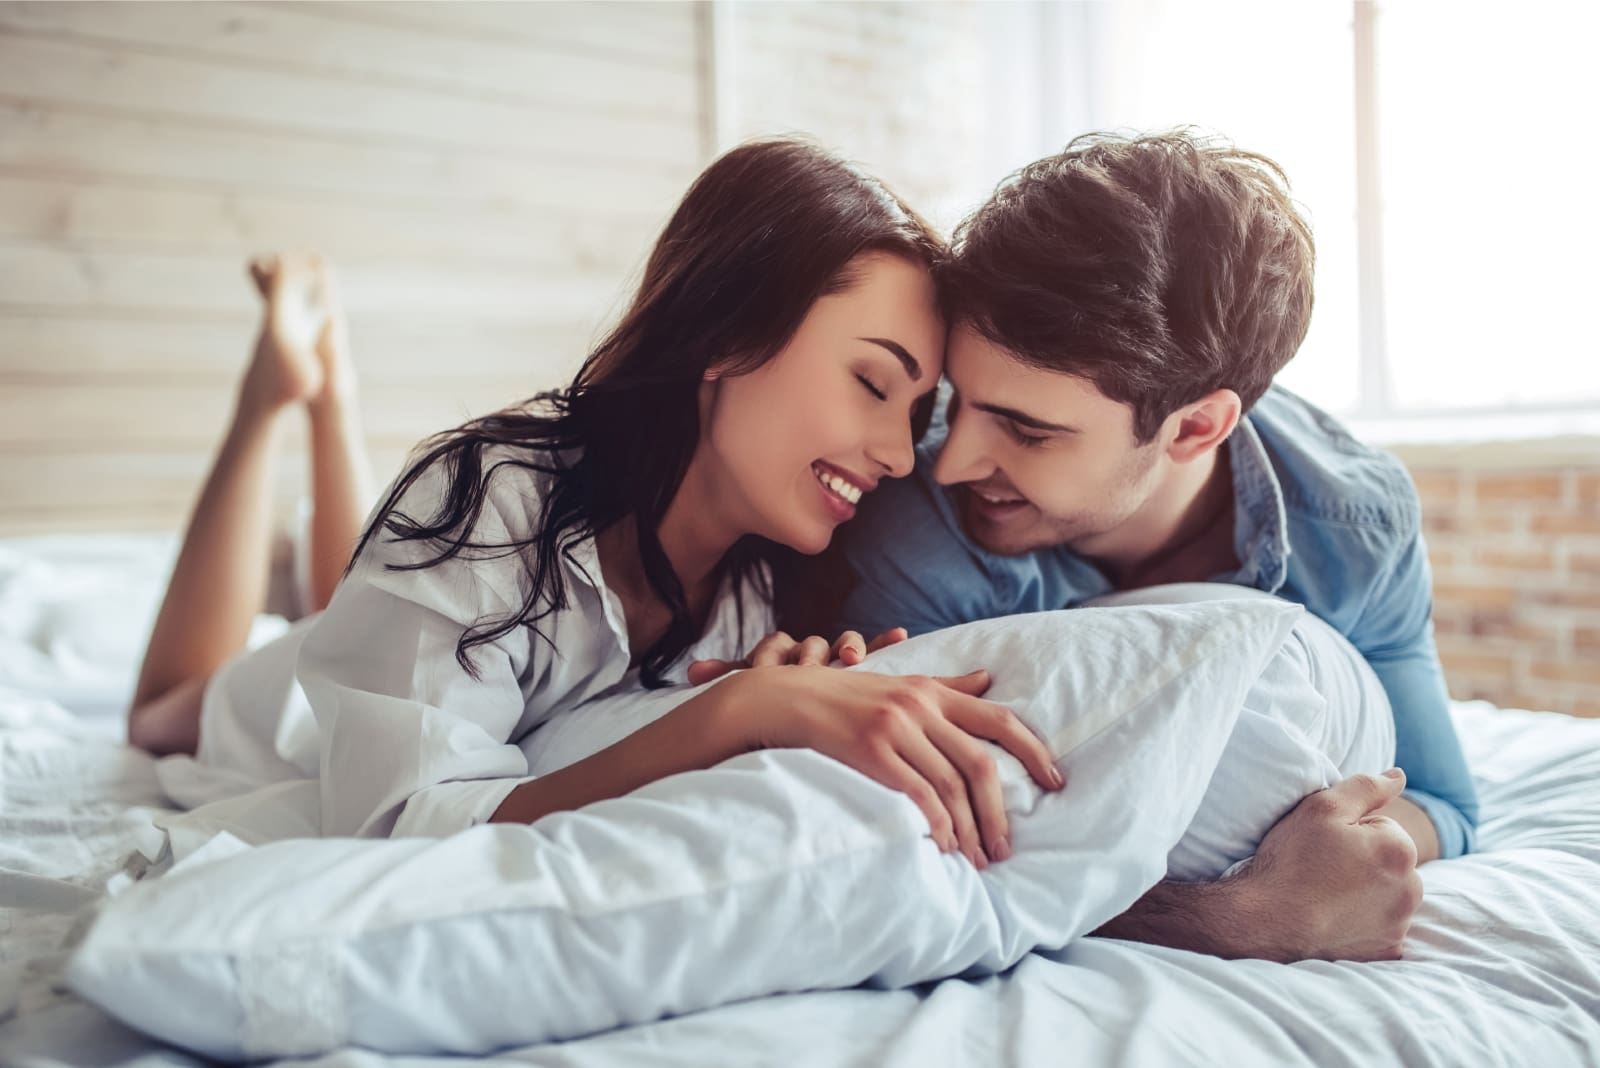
[[1204, 425]]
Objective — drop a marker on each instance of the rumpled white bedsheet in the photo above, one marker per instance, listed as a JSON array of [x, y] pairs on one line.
[[1503, 966]]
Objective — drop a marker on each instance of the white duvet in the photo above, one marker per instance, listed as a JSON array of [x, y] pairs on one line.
[[1501, 966], [1503, 963]]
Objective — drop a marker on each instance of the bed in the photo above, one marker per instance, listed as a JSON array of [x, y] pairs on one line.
[[1502, 967]]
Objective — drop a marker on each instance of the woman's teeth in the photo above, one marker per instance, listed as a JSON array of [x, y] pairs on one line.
[[847, 490]]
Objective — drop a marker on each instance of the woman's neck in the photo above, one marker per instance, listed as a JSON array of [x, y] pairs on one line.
[[693, 535]]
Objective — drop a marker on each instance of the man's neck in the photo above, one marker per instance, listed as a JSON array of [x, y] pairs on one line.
[[1187, 533]]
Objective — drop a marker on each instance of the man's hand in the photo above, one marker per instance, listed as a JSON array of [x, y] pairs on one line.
[[1340, 877], [1333, 880]]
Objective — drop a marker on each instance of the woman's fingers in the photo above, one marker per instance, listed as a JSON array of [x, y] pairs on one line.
[[897, 774], [814, 651], [973, 683], [850, 648], [772, 650], [1000, 725], [950, 787], [975, 761], [779, 648], [892, 636], [702, 671]]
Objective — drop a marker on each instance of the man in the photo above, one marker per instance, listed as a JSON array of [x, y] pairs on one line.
[[1118, 312]]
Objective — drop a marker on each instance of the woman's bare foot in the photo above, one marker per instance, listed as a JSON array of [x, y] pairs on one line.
[[333, 345], [287, 367]]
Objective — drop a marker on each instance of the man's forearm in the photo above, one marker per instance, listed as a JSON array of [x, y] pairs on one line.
[[1220, 918]]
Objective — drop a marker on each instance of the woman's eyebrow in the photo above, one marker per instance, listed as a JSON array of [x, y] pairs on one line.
[[908, 361]]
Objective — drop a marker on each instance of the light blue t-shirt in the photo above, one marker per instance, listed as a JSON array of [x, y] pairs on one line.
[[1322, 520]]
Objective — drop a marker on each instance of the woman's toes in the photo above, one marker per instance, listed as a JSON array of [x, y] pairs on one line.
[[286, 367], [261, 268]]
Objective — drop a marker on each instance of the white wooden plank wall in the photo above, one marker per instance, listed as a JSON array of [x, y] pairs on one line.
[[898, 87], [487, 176]]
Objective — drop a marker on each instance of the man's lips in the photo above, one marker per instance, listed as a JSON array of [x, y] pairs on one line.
[[996, 497], [995, 506]]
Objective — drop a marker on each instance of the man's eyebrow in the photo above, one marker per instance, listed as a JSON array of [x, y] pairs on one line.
[[1023, 418], [913, 368]]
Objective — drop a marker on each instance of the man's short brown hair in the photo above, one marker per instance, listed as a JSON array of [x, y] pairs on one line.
[[1158, 267]]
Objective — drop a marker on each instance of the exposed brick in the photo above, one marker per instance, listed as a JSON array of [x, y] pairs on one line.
[[1566, 523], [1516, 562], [1538, 560], [1519, 699], [1438, 485], [1478, 524], [1588, 491], [1517, 488], [1481, 688], [1584, 565], [1580, 671], [1572, 597], [1540, 633], [1445, 557], [1495, 665], [1436, 522], [1474, 596]]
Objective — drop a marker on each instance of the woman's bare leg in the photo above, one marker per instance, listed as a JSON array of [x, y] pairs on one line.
[[341, 473], [219, 582]]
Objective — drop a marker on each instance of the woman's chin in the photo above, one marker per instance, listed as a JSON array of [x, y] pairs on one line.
[[809, 541]]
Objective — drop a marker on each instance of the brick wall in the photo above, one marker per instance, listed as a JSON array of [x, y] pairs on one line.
[[1513, 533]]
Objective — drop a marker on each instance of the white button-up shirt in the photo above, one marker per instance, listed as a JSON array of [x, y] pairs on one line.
[[411, 743]]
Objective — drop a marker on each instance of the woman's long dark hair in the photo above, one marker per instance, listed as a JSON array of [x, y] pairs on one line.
[[762, 234]]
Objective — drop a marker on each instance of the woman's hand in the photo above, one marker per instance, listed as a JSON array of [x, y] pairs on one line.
[[919, 735], [779, 649]]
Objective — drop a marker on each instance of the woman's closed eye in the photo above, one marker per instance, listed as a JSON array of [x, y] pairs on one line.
[[872, 389]]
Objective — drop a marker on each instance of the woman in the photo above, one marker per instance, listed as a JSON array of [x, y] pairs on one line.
[[776, 362]]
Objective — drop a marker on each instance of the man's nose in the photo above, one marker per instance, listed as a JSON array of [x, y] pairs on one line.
[[963, 457]]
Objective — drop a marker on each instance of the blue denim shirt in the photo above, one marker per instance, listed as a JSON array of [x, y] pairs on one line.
[[1322, 520]]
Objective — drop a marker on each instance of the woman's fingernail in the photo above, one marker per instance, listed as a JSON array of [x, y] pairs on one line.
[[1056, 778], [1002, 849], [979, 861]]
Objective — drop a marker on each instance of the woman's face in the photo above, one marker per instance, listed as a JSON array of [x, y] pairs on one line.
[[797, 442]]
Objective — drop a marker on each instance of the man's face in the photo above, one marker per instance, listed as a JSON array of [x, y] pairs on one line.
[[1039, 458]]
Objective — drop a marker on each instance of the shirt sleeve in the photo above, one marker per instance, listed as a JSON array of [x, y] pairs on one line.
[[412, 743], [1395, 634]]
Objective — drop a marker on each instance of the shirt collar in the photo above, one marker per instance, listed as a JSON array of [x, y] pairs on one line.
[[1260, 524], [735, 623]]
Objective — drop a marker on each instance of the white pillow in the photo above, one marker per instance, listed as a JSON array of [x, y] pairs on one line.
[[776, 871], [1317, 714]]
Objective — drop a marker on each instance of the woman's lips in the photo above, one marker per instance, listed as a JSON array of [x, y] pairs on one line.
[[840, 507]]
